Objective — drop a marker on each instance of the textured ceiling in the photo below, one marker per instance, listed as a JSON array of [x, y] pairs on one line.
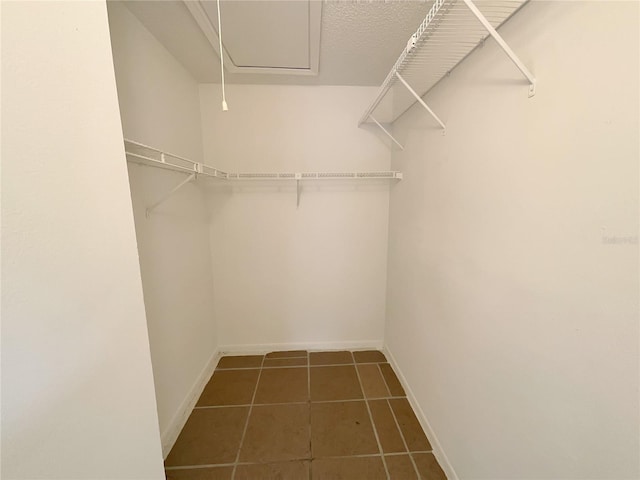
[[359, 42]]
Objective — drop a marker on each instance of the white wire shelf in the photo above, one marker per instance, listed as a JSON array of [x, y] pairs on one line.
[[316, 176], [451, 30], [145, 155]]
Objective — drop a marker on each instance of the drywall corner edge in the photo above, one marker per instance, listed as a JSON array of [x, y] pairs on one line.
[[170, 435], [438, 452], [262, 348]]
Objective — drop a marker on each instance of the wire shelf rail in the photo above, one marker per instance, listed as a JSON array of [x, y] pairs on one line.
[[146, 155]]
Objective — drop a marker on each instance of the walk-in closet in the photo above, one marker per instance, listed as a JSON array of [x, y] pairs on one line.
[[320, 239]]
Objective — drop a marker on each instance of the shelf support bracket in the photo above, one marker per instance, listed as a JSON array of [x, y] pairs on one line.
[[419, 99], [386, 132], [298, 189], [151, 207], [510, 53]]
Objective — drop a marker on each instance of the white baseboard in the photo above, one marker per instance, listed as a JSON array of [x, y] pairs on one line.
[[260, 348], [438, 452], [170, 434]]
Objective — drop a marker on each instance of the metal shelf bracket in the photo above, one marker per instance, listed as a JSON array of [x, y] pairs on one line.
[[298, 189], [156, 204], [419, 99], [505, 47], [386, 132]]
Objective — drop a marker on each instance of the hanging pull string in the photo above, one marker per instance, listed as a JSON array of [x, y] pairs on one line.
[[224, 100]]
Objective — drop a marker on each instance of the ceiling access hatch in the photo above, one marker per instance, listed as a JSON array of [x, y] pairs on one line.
[[263, 36]]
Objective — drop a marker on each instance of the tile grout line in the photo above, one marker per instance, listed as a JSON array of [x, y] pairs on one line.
[[393, 414], [365, 455], [406, 445], [254, 404], [203, 407], [229, 355], [303, 366], [195, 467], [373, 425], [362, 455], [258, 368], [246, 424], [384, 380], [284, 358]]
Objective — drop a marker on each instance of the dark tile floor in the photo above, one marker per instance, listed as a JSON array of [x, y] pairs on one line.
[[303, 415]]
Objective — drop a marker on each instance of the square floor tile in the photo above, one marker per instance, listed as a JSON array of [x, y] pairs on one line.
[[353, 468], [400, 467], [409, 425], [335, 383], [276, 433], [246, 361], [296, 470], [395, 388], [341, 428], [211, 435], [208, 473], [283, 385], [373, 384], [428, 467], [229, 387], [385, 425], [285, 362], [330, 358], [369, 356], [287, 354], [280, 439]]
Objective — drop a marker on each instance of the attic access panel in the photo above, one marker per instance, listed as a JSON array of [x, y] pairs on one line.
[[263, 36]]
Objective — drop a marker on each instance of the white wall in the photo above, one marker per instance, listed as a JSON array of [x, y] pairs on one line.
[[514, 323], [287, 276], [77, 386], [159, 103]]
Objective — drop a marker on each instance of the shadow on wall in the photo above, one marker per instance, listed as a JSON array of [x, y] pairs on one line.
[[320, 186], [218, 194]]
